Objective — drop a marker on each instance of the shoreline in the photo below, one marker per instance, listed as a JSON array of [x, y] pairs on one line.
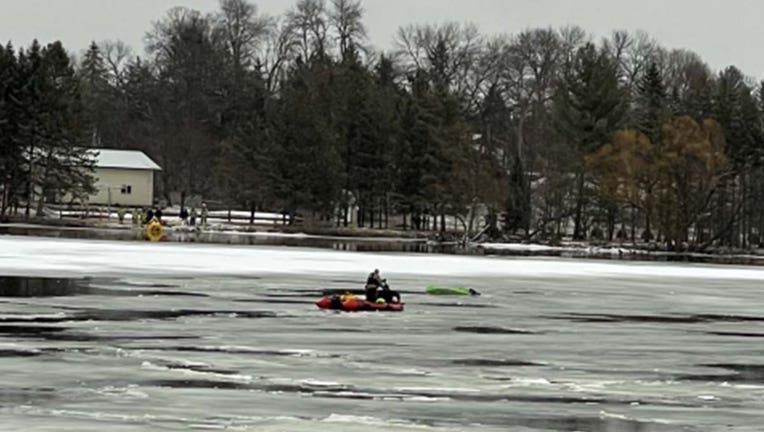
[[367, 240]]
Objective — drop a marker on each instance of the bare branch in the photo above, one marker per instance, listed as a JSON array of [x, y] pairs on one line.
[[117, 54], [347, 20]]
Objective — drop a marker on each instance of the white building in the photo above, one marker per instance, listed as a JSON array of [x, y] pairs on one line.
[[124, 177]]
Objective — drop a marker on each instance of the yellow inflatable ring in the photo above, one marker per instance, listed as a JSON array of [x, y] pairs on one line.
[[154, 231]]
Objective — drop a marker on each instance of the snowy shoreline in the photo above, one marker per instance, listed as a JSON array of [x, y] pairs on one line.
[[624, 252], [37, 256], [269, 236]]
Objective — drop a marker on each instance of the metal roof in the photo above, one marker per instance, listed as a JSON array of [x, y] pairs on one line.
[[125, 159]]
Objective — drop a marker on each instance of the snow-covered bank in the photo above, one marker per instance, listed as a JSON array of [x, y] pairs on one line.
[[45, 256], [582, 250]]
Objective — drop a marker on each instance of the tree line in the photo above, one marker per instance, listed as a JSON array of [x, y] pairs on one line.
[[537, 135]]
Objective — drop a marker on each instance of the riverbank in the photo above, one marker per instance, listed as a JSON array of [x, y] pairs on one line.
[[364, 240]]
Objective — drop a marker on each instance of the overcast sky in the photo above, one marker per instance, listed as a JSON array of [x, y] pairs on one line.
[[722, 32]]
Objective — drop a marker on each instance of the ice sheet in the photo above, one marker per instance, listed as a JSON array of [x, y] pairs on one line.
[[37, 255]]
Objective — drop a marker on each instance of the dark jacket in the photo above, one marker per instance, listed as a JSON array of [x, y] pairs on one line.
[[374, 280]]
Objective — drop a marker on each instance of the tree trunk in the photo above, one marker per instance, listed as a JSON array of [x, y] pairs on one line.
[[387, 212], [746, 220], [40, 206], [41, 200], [29, 200], [471, 225], [3, 199], [578, 218], [633, 224], [647, 235], [252, 212], [610, 224], [30, 190]]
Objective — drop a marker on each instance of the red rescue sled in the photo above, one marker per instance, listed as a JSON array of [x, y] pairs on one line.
[[355, 304]]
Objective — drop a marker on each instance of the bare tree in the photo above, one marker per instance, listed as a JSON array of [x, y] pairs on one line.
[[571, 39], [485, 75], [632, 53], [242, 30], [531, 69], [117, 55], [347, 20], [448, 53], [688, 82], [309, 24], [178, 23], [279, 48], [409, 49]]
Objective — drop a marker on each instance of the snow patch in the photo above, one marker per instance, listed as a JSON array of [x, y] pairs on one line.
[[37, 256]]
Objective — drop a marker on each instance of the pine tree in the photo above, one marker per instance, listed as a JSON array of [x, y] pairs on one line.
[[651, 104], [420, 152], [63, 166], [736, 110], [309, 159], [589, 108], [95, 93], [30, 134], [10, 150]]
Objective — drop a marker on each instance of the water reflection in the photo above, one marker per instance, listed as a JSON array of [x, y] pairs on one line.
[[344, 244], [370, 245]]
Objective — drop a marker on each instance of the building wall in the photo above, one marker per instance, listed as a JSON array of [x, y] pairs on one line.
[[140, 183]]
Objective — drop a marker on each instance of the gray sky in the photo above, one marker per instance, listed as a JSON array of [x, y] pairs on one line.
[[722, 32]]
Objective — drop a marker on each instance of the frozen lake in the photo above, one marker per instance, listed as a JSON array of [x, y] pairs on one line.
[[98, 335]]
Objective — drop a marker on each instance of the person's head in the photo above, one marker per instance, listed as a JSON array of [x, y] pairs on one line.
[[376, 272]]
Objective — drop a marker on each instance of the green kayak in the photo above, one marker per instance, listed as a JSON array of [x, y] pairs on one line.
[[446, 290]]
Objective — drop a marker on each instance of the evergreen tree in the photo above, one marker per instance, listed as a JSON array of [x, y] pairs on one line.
[[651, 104], [63, 167], [95, 92], [589, 108], [10, 116], [309, 160]]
